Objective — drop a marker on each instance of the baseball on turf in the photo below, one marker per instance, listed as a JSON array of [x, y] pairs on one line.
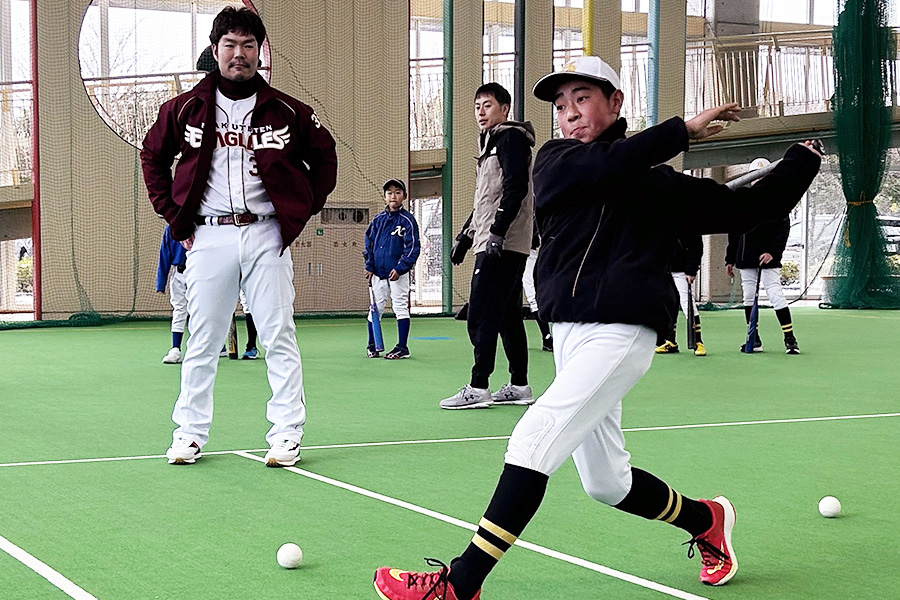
[[829, 506], [289, 556]]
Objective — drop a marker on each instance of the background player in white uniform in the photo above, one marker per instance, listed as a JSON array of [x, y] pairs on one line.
[[757, 254], [685, 264], [172, 259], [255, 165], [531, 293], [251, 352], [602, 203]]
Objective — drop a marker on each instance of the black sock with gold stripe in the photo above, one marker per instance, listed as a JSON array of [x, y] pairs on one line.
[[516, 499], [652, 498], [697, 336], [784, 318]]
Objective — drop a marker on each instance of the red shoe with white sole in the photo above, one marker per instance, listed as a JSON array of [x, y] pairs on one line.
[[394, 584], [719, 562]]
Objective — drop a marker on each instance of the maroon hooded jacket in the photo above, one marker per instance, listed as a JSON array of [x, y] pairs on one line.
[[294, 153]]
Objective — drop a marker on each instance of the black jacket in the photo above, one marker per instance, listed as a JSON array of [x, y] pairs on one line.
[[688, 253], [608, 216], [744, 249]]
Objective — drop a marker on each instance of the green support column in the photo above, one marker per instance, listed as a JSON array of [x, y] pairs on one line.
[[447, 170]]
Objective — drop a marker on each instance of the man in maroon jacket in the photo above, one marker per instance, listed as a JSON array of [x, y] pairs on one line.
[[255, 165]]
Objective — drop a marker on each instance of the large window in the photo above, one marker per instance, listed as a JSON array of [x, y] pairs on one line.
[[132, 59]]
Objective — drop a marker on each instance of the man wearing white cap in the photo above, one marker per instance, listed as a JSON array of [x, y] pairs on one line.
[[608, 217]]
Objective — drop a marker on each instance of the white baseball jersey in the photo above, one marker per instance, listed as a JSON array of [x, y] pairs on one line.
[[234, 184]]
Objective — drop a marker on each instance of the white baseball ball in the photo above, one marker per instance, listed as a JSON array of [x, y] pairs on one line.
[[289, 556], [829, 506]]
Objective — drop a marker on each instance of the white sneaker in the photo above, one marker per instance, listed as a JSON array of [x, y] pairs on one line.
[[513, 394], [173, 356], [183, 451], [468, 397], [285, 453]]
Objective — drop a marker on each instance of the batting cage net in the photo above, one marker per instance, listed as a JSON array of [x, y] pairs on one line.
[[105, 67], [394, 83], [865, 50]]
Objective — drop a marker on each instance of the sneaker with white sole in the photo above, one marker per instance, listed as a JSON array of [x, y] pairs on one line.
[[394, 584], [398, 353], [513, 394], [790, 346], [173, 356], [468, 397], [719, 562], [183, 451], [250, 354], [285, 453]]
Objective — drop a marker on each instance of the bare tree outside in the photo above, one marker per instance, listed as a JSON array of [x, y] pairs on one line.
[[134, 60]]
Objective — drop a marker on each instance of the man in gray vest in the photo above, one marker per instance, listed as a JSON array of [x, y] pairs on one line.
[[499, 232]]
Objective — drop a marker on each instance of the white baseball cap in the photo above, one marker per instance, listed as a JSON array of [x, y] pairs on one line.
[[583, 67]]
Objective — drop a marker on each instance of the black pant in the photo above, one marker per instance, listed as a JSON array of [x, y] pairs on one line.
[[495, 307]]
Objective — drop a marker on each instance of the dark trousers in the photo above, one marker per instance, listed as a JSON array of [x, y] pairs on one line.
[[495, 307]]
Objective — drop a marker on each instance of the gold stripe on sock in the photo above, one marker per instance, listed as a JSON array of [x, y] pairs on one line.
[[498, 531], [487, 547], [668, 506], [677, 509], [788, 327]]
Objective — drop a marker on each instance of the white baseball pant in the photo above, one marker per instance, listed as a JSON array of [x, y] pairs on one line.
[[681, 283], [528, 280], [223, 260], [580, 414], [398, 291], [771, 282], [177, 289]]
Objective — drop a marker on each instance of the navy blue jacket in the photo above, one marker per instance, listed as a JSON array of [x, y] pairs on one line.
[[392, 243], [608, 217], [171, 254]]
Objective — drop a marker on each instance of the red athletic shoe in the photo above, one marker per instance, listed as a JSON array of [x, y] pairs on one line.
[[394, 584], [719, 562]]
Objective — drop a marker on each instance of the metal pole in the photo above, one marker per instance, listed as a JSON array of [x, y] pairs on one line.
[[653, 63], [587, 27], [519, 64], [447, 169], [36, 170]]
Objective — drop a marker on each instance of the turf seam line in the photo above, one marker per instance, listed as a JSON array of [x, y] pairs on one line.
[[44, 570], [448, 440], [627, 577]]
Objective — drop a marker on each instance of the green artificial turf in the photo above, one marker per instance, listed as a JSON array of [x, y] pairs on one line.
[[144, 529]]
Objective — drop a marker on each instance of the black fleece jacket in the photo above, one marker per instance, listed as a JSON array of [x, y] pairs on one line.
[[744, 249], [688, 254], [608, 217]]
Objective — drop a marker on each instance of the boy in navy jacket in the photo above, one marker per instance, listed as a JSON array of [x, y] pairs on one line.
[[392, 247]]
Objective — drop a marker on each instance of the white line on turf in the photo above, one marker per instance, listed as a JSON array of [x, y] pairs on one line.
[[45, 571], [449, 440], [765, 422], [646, 583]]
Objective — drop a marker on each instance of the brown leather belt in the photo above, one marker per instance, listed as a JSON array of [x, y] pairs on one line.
[[236, 219]]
